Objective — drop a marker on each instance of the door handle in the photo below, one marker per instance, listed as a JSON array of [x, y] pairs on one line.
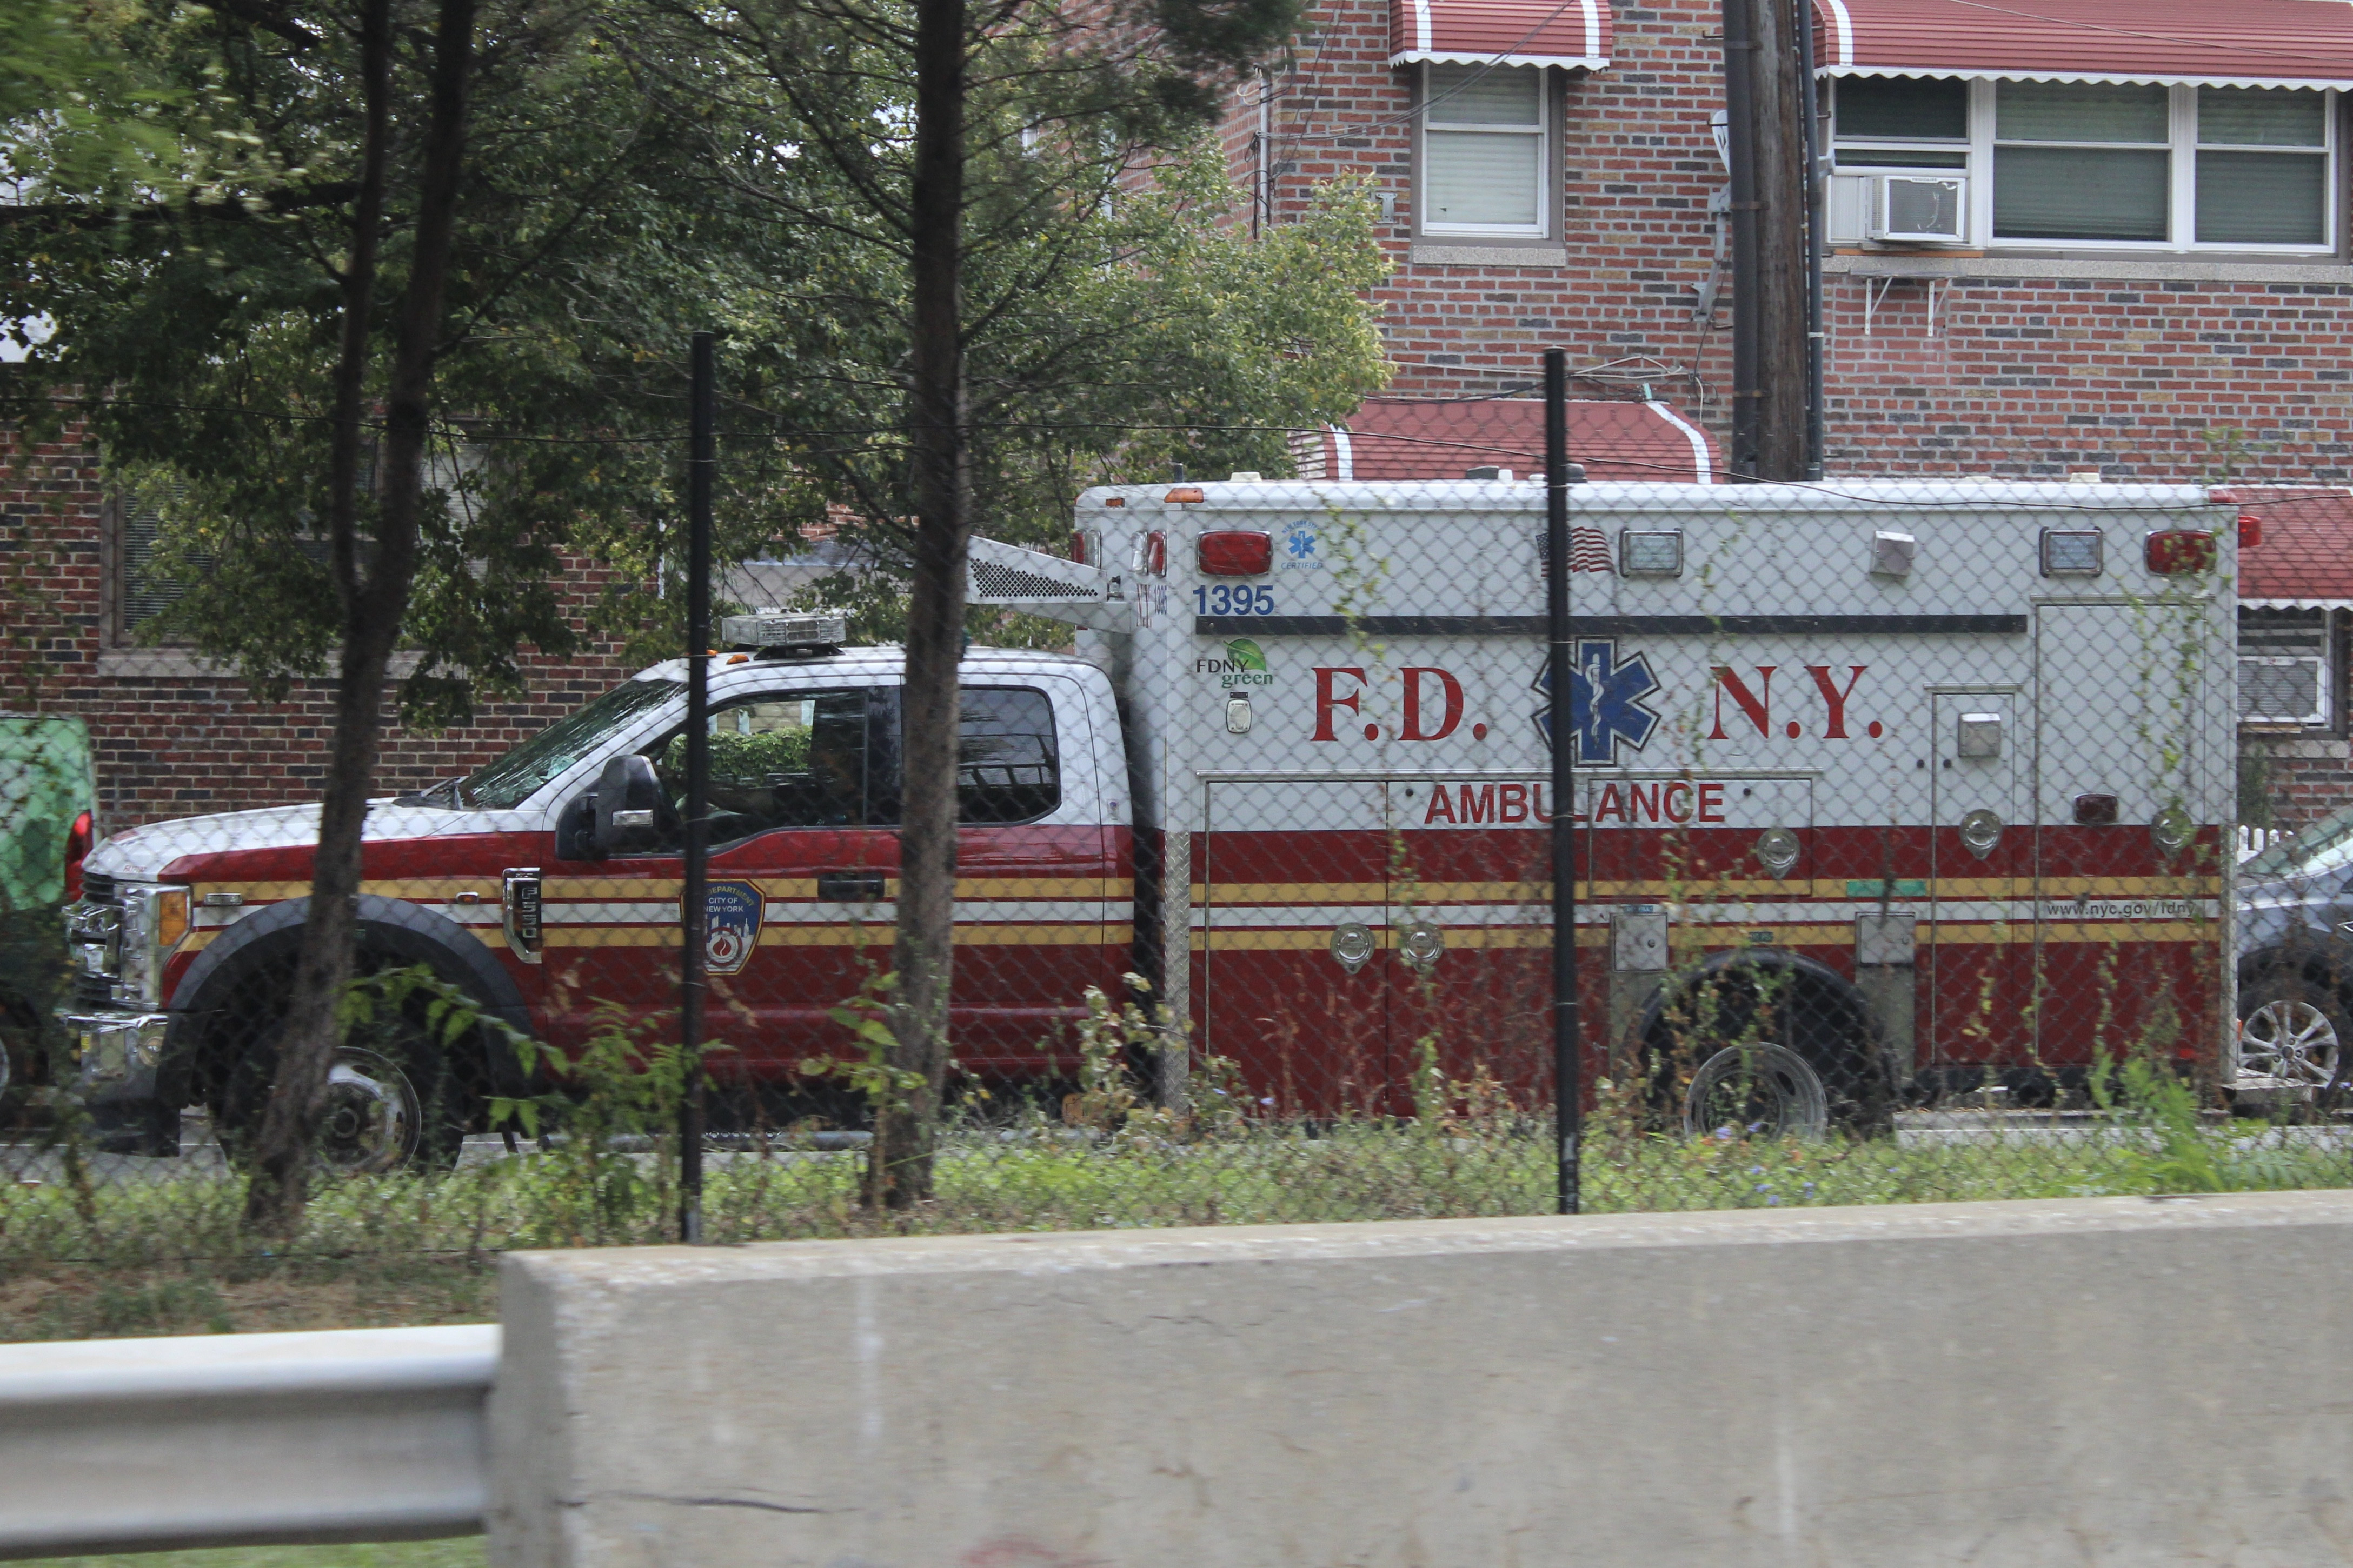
[[848, 887]]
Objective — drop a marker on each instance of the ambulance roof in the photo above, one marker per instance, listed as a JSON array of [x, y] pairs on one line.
[[1837, 495]]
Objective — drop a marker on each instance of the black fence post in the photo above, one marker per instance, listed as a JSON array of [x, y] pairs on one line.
[[694, 897], [1568, 1083]]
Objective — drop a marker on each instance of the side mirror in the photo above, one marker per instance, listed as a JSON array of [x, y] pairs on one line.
[[628, 806]]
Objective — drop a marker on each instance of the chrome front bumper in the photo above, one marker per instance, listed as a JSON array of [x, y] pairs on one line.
[[115, 1053]]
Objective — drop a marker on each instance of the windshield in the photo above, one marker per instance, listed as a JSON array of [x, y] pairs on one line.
[[515, 777], [2323, 845]]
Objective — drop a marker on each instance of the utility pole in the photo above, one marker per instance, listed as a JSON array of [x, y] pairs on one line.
[[1740, 163], [693, 904], [1765, 110], [1817, 336]]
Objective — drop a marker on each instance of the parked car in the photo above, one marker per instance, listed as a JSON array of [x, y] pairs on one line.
[[48, 816], [2295, 959]]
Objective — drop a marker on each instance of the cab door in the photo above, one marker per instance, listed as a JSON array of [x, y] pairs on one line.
[[802, 853]]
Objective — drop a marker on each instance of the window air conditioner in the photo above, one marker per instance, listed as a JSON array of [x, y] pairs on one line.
[[2282, 691], [1920, 209]]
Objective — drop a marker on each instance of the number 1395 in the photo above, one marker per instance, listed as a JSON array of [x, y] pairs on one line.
[[1234, 599]]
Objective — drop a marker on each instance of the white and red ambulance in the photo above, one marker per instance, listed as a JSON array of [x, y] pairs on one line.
[[1900, 785]]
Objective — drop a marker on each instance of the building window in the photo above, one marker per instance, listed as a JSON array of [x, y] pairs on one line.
[[1486, 163], [2093, 164], [141, 589], [2286, 670]]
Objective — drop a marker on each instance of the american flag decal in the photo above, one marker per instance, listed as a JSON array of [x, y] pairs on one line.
[[1588, 551]]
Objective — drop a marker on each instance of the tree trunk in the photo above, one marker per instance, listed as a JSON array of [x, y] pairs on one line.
[[373, 603], [925, 957]]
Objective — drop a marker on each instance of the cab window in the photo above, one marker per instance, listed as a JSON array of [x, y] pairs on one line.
[[1007, 767], [780, 760]]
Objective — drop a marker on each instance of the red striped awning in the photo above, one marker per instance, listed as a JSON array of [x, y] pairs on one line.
[[2299, 555], [2209, 43], [1573, 34], [1429, 439]]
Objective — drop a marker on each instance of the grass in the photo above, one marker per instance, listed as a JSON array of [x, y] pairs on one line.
[[162, 1257]]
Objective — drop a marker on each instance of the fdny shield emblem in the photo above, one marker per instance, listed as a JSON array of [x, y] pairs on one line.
[[732, 913]]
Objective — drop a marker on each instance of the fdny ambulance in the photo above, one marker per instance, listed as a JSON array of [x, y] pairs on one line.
[[1884, 789]]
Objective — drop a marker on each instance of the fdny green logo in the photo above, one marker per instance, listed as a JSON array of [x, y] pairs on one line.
[[1244, 665]]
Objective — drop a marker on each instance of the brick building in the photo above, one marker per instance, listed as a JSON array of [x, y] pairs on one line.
[[2124, 292], [174, 735], [2111, 236]]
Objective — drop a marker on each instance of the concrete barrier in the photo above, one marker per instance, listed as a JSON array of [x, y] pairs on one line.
[[217, 1440], [2113, 1381]]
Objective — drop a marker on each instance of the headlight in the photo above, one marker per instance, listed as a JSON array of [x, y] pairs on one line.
[[155, 924]]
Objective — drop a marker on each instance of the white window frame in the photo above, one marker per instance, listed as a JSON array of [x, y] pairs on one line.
[[2181, 216], [1545, 132]]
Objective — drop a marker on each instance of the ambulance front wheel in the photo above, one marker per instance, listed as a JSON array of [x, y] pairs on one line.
[[395, 1100]]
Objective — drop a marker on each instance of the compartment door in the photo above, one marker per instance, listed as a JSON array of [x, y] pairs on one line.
[[1980, 942], [1292, 919]]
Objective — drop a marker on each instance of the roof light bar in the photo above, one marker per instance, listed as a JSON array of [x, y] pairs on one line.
[[775, 629]]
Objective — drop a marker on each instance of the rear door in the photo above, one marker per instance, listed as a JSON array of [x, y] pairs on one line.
[[2118, 711], [1035, 860]]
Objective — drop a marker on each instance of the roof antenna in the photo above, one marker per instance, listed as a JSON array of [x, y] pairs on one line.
[[1177, 476]]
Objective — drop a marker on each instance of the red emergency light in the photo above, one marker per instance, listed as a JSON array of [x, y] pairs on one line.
[[2175, 551], [78, 844], [2251, 531], [1237, 553], [2095, 810]]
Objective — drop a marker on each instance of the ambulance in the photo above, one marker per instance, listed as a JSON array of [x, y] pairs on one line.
[[1884, 791]]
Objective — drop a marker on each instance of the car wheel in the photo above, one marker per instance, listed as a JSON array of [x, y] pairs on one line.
[[2294, 1032]]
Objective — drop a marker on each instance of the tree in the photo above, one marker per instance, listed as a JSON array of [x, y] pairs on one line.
[[1006, 259], [306, 321], [639, 175]]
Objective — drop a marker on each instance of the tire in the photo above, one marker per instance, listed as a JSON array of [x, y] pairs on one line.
[[1771, 1045], [1761, 1090], [2293, 1030], [396, 1099]]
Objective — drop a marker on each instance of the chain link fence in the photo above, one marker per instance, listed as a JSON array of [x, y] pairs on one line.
[[1907, 815]]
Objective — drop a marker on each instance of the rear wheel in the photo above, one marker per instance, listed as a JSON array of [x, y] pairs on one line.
[[1773, 1046], [1756, 1092]]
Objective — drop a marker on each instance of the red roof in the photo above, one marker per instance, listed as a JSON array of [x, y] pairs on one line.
[[2226, 44], [2305, 556], [1428, 438], [1571, 32]]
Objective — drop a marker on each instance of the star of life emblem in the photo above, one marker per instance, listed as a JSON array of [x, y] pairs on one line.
[[1606, 703]]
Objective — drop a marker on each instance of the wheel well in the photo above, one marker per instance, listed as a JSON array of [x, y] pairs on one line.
[[1831, 1024], [2315, 969], [243, 973]]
